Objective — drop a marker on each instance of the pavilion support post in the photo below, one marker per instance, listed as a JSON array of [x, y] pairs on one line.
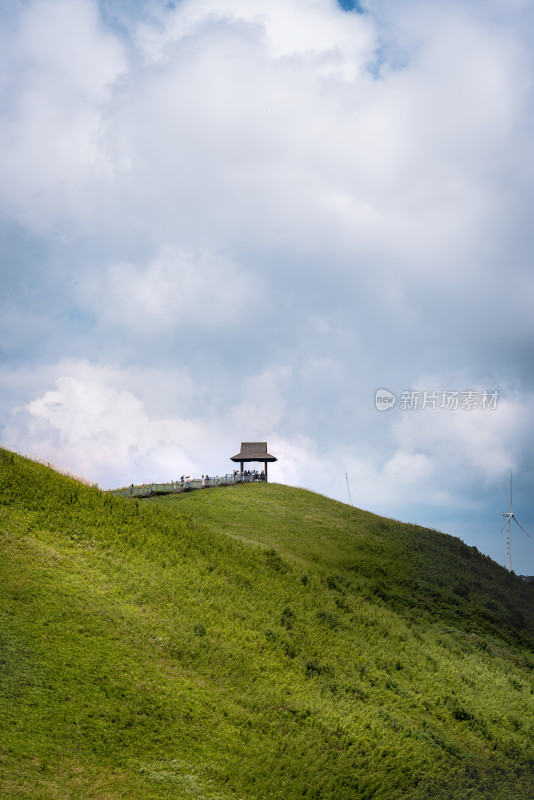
[[241, 468], [265, 463]]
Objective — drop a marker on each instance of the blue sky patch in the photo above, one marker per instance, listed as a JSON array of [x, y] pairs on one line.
[[351, 5]]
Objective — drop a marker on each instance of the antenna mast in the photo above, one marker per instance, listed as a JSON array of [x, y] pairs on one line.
[[348, 487]]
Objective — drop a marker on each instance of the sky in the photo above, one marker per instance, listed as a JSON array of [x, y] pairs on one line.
[[305, 222]]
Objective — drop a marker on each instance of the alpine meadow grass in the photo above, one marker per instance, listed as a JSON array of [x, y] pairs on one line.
[[252, 642]]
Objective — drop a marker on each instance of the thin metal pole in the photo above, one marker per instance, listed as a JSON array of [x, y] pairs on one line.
[[348, 487], [509, 548]]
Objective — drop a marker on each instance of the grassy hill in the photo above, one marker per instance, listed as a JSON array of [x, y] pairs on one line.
[[252, 642]]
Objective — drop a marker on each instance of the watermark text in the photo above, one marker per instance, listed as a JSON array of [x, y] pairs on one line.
[[433, 400]]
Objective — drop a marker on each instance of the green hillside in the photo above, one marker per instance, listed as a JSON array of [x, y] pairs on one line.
[[252, 642]]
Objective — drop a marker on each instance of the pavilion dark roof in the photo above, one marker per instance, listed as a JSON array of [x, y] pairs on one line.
[[253, 451]]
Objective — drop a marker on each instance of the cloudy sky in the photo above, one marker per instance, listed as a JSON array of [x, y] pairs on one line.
[[227, 220]]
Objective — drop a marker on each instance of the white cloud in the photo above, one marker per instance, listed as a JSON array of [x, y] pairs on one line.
[[234, 134], [176, 289], [252, 145], [407, 468], [315, 31], [484, 444], [104, 433], [60, 67], [261, 404]]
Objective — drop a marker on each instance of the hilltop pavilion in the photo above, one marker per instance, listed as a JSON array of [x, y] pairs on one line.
[[253, 451]]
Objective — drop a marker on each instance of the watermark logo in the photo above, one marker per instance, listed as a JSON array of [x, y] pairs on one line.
[[450, 400], [384, 400]]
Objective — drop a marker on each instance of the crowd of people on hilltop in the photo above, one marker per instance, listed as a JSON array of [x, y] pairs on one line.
[[253, 474]]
